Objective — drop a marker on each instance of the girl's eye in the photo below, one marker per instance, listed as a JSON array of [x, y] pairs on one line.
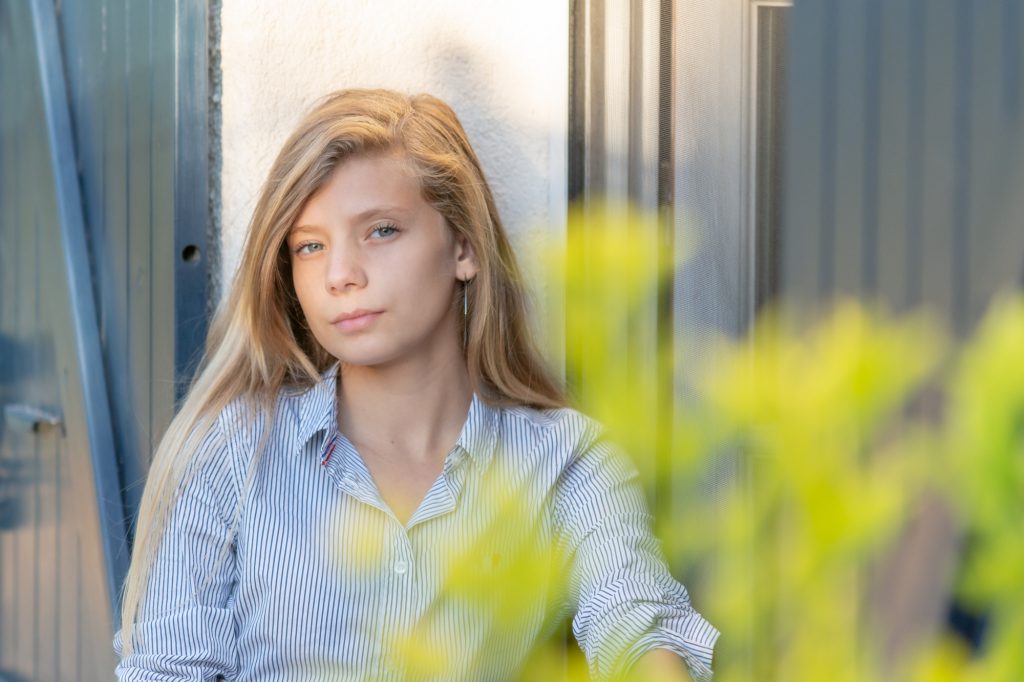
[[309, 247], [382, 231]]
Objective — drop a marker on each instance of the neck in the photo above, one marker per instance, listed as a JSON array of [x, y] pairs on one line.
[[412, 411]]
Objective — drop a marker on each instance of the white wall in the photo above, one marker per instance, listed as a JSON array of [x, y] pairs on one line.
[[502, 65]]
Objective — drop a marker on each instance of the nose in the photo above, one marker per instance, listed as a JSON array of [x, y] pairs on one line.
[[344, 270]]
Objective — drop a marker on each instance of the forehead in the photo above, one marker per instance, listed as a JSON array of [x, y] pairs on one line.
[[363, 184]]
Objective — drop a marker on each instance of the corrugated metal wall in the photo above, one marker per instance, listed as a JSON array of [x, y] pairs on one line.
[[103, 279], [904, 153], [904, 185], [62, 531], [136, 74]]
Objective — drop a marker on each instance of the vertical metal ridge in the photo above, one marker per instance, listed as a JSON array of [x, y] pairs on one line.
[[577, 99], [769, 88], [191, 188], [963, 114], [666, 111], [665, 304], [576, 165], [872, 131], [635, 122], [594, 120], [1011, 25], [917, 10], [83, 306], [829, 58]]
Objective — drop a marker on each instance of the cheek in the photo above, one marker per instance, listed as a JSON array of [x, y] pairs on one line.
[[433, 284], [304, 284]]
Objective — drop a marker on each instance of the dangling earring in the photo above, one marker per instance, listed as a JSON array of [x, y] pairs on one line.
[[465, 313]]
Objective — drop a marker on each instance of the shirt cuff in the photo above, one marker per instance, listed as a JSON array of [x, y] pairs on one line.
[[690, 637]]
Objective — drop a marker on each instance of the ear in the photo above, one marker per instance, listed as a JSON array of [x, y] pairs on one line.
[[466, 266]]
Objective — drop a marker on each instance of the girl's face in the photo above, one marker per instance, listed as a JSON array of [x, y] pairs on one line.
[[375, 266]]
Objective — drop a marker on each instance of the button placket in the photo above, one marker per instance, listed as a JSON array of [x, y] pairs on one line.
[[402, 565]]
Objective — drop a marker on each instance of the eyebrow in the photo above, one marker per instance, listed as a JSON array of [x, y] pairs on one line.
[[368, 214]]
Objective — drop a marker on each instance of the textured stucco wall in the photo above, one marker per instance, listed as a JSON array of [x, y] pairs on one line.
[[502, 65]]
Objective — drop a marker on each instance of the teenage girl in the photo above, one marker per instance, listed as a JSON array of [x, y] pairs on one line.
[[367, 381]]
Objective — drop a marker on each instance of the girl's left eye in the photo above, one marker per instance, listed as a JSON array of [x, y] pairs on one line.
[[382, 231]]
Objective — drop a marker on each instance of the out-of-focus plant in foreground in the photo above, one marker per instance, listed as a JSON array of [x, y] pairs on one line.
[[831, 459]]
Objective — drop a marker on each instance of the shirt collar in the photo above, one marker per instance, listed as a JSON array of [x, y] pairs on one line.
[[315, 409], [479, 433], [315, 412]]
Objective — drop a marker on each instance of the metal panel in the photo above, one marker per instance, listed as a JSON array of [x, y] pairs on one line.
[[928, 111], [191, 198], [899, 143], [135, 147], [64, 545], [994, 157], [805, 249], [938, 25], [137, 83], [847, 158], [904, 159], [619, 100], [769, 82]]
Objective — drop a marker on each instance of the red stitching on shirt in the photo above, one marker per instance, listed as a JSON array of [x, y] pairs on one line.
[[330, 451]]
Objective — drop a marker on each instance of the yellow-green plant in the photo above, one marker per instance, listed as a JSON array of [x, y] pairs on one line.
[[838, 435], [838, 444]]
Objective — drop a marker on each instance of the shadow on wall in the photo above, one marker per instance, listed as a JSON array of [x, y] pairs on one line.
[[466, 87]]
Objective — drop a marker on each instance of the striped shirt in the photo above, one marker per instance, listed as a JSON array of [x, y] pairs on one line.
[[533, 519]]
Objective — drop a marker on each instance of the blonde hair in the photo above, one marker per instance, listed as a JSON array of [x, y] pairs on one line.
[[259, 343]]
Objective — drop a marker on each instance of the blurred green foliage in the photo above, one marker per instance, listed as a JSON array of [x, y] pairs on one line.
[[842, 435], [839, 436]]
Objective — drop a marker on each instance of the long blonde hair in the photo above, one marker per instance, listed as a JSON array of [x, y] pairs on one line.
[[259, 343]]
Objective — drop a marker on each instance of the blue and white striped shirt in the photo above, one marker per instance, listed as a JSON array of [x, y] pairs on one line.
[[322, 582]]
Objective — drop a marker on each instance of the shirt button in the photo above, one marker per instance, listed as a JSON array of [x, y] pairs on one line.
[[401, 566], [348, 481]]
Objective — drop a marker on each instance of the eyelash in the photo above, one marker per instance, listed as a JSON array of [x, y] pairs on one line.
[[299, 247], [393, 230]]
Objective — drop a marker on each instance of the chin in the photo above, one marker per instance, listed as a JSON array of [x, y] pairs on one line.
[[356, 357]]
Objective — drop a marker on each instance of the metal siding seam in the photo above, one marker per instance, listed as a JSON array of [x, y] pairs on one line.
[[917, 27], [872, 131], [962, 163], [1011, 25], [829, 58]]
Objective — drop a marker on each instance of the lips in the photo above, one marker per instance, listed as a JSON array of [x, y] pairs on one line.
[[357, 320]]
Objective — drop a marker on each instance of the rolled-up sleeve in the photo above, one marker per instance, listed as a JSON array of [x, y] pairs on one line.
[[626, 602], [186, 630]]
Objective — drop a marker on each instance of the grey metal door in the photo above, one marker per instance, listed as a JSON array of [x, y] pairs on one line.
[[63, 533], [103, 262]]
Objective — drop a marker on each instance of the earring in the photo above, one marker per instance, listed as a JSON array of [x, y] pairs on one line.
[[465, 313]]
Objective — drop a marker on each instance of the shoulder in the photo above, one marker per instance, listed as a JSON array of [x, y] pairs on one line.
[[237, 438], [588, 475], [564, 433], [240, 423], [244, 421], [236, 434]]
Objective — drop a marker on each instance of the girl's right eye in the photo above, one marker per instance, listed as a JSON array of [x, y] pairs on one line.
[[308, 247]]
